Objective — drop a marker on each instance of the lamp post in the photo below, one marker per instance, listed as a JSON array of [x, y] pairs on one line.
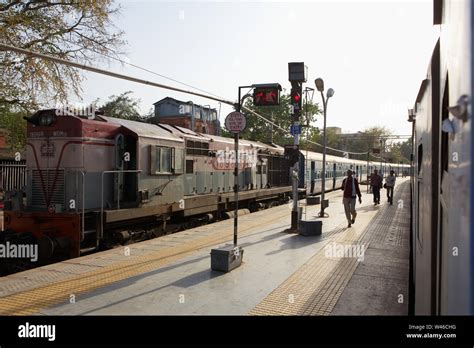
[[307, 116], [330, 92]]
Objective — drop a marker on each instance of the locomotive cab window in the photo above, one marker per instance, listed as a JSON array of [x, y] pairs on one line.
[[160, 160]]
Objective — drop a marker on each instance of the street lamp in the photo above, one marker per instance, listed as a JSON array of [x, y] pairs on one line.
[[330, 92]]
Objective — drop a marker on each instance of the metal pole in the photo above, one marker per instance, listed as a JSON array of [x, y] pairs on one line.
[[294, 212], [236, 178], [323, 181], [368, 184], [294, 176], [381, 157]]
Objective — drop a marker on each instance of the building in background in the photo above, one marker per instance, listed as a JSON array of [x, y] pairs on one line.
[[199, 118]]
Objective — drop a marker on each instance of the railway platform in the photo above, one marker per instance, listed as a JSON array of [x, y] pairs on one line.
[[362, 270]]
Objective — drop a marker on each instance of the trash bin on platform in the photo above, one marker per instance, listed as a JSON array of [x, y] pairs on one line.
[[311, 227], [313, 200], [227, 258]]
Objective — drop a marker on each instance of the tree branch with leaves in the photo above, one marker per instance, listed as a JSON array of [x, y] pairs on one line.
[[78, 30]]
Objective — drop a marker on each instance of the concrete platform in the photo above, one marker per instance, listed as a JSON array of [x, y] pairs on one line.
[[281, 273]]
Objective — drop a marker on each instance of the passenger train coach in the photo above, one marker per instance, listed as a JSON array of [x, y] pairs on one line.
[[442, 185], [94, 183]]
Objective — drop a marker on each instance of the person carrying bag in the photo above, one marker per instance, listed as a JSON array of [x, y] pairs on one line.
[[350, 186]]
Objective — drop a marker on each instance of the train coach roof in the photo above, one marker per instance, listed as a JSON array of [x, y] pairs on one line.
[[142, 129], [329, 158], [273, 149], [182, 132]]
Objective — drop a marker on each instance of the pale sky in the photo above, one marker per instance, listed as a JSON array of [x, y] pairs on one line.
[[374, 54]]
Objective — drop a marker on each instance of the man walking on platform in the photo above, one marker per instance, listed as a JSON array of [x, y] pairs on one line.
[[350, 186], [390, 183], [376, 183]]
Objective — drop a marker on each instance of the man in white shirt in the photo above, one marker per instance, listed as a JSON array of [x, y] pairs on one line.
[[390, 183]]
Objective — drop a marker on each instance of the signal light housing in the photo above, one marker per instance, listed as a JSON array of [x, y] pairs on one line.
[[266, 94]]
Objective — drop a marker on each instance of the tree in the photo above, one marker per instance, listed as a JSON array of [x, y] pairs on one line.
[[79, 30], [12, 120], [258, 129], [406, 149], [123, 106]]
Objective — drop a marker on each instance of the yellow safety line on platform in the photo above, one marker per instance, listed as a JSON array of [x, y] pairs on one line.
[[31, 301], [315, 287]]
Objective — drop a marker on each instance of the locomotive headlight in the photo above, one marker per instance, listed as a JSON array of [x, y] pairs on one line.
[[46, 120]]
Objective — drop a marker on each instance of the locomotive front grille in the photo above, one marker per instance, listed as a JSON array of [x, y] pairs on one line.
[[51, 188]]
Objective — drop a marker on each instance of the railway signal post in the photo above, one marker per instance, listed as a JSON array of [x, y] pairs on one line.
[[229, 257], [297, 75]]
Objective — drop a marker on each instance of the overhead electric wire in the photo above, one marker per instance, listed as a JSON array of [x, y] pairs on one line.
[[153, 72], [6, 47]]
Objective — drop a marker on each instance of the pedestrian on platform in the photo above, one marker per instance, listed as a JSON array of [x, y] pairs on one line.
[[350, 186], [376, 184], [390, 184]]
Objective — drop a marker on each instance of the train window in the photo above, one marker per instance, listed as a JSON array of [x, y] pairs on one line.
[[205, 149], [165, 159], [177, 158], [189, 166], [197, 148], [160, 159], [190, 147]]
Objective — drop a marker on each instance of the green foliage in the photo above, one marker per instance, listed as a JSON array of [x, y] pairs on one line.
[[122, 106], [12, 121], [77, 30]]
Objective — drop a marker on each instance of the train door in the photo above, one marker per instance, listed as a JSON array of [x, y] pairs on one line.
[[312, 176], [302, 171], [189, 177], [426, 245], [443, 246], [126, 183], [262, 173], [334, 169]]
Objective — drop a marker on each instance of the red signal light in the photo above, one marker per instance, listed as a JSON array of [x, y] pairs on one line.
[[266, 96], [296, 98]]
